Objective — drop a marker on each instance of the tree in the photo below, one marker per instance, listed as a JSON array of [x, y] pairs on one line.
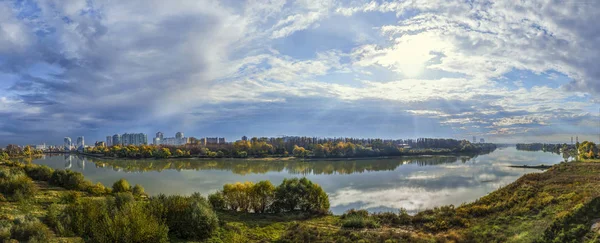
[[179, 153], [299, 152], [121, 186], [190, 218], [588, 150], [300, 194], [262, 196], [27, 151], [138, 190]]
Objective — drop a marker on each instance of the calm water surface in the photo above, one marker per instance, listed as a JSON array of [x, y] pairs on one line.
[[413, 183]]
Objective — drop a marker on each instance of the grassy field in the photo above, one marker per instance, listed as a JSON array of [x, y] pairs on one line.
[[558, 205]]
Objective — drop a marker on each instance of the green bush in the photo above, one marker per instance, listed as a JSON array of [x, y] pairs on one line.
[[353, 212], [217, 201], [69, 180], [358, 219], [104, 221], [359, 222], [392, 219], [16, 186], [98, 189], [31, 230], [39, 172], [138, 190], [190, 218], [121, 186], [5, 226], [300, 194], [123, 198]]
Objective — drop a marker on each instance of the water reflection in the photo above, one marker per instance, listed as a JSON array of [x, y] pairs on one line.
[[414, 183], [295, 167]]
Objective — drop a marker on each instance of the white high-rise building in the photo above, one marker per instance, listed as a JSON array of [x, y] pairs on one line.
[[67, 145], [80, 143], [108, 141], [116, 140]]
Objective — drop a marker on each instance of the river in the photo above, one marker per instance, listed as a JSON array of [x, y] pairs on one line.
[[413, 183]]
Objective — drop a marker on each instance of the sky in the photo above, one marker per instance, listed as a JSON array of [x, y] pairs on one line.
[[506, 71]]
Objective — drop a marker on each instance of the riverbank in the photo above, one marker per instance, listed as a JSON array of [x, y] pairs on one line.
[[558, 205], [290, 158]]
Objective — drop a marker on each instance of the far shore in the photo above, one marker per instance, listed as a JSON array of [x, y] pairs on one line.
[[289, 158]]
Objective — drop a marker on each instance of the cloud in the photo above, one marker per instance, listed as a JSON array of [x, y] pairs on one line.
[[100, 67]]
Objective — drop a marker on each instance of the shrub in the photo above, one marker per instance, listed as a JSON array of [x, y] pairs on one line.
[[121, 186], [359, 222], [353, 212], [5, 226], [16, 186], [98, 189], [31, 230], [103, 221], [123, 198], [189, 218], [39, 172], [69, 180], [392, 219], [216, 200], [138, 190]]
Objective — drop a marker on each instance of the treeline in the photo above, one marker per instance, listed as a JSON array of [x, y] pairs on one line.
[[14, 151], [125, 214], [546, 147], [259, 148]]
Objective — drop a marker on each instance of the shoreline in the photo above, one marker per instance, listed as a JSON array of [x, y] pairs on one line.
[[539, 167], [289, 158]]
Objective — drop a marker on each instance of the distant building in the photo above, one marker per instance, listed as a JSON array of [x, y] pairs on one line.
[[108, 141], [100, 144], [134, 139], [179, 139], [221, 140], [116, 140], [474, 139], [244, 138], [40, 147], [68, 144], [481, 140], [212, 140], [80, 143]]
